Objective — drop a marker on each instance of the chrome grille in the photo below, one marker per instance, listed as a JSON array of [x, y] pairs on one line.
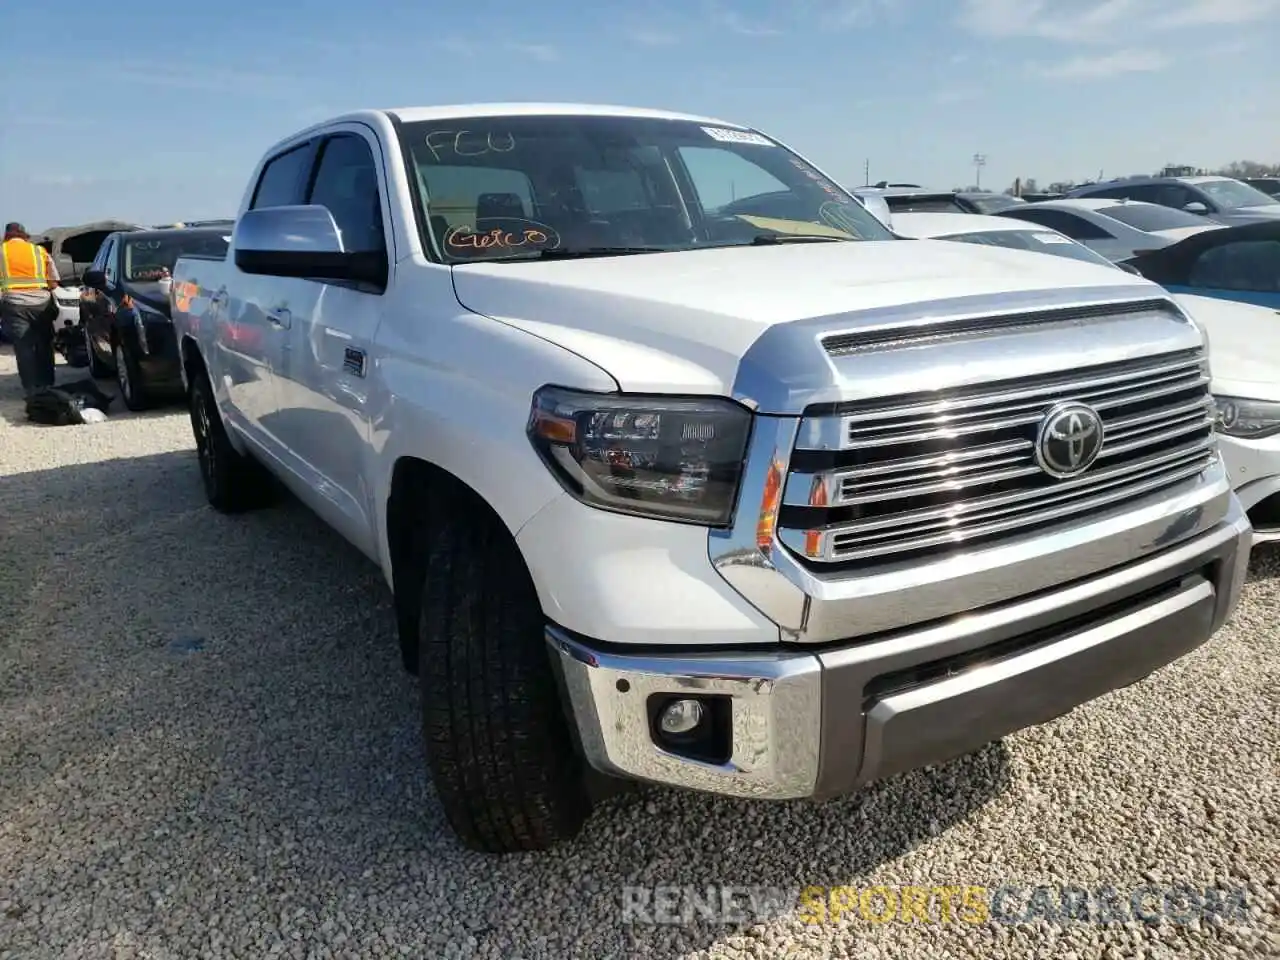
[[878, 481]]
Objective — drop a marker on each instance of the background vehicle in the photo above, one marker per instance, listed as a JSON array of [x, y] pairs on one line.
[[1219, 198], [1114, 228], [1234, 263], [125, 309], [682, 468], [1245, 360], [908, 199], [996, 232], [1268, 185]]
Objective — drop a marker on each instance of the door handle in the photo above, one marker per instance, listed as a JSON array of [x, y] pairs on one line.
[[280, 318]]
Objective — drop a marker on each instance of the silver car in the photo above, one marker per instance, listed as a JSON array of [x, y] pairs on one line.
[[1117, 229], [1219, 198]]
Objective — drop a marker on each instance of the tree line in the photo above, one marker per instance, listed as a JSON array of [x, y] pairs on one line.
[[1239, 169]]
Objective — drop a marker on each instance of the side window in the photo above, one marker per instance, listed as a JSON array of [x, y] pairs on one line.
[[100, 258], [1248, 265], [108, 255], [722, 176], [281, 182], [1170, 195], [1114, 193], [1077, 228], [346, 182]]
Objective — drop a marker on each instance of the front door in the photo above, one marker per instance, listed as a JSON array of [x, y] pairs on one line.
[[322, 381], [254, 314]]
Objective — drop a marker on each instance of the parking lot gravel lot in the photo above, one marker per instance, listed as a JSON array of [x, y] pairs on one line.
[[208, 749]]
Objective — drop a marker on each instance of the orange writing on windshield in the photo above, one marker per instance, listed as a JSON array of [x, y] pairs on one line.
[[464, 238]]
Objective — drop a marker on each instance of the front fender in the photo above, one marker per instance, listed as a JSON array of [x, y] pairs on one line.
[[457, 395]]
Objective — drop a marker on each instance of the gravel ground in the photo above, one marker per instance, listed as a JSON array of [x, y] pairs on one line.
[[207, 749]]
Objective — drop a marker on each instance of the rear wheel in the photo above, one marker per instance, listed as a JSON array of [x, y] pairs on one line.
[[233, 482], [498, 742]]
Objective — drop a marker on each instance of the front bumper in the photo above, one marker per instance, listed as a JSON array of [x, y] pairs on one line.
[[822, 721], [1254, 469]]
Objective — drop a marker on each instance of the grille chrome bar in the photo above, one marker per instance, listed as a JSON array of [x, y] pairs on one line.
[[926, 475]]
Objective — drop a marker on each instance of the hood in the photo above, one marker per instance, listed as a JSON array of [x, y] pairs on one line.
[[1244, 345], [682, 321]]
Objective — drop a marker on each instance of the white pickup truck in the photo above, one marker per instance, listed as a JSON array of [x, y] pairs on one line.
[[684, 469]]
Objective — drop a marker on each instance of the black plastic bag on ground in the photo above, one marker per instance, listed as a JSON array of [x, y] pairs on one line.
[[62, 405]]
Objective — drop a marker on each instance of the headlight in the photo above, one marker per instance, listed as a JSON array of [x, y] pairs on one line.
[[1247, 419], [672, 459]]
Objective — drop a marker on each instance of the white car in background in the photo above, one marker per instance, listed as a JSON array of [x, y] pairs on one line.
[[1117, 229], [1244, 357]]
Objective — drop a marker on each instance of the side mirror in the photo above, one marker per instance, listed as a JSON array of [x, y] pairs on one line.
[[1195, 206], [301, 241], [95, 279]]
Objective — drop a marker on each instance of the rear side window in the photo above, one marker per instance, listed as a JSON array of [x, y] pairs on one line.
[[1077, 228], [346, 182], [281, 180], [1248, 265]]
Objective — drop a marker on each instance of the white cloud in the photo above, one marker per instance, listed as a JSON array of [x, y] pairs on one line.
[[952, 95], [1129, 60], [734, 22], [650, 37], [1102, 21], [538, 51]]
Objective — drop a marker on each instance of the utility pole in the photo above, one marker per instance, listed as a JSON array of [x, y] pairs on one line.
[[866, 172], [979, 161]]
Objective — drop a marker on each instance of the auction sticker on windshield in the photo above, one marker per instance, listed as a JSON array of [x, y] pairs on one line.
[[725, 135]]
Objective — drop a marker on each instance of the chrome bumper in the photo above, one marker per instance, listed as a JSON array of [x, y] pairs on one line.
[[809, 722]]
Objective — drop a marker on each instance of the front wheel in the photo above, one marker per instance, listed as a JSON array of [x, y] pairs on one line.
[[233, 483], [129, 377], [97, 369], [498, 742]]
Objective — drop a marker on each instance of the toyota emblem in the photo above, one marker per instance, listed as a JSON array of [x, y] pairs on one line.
[[1069, 440]]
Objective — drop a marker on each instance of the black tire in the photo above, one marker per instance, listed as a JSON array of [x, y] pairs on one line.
[[497, 740], [129, 381], [97, 369], [233, 483]]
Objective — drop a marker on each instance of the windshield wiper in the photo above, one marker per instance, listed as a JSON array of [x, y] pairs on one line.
[[772, 239], [574, 253]]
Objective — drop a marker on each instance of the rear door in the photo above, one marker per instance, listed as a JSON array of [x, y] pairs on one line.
[[322, 382]]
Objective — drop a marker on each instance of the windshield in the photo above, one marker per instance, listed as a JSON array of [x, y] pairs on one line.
[[1038, 241], [1152, 216], [498, 188], [1230, 194], [152, 258]]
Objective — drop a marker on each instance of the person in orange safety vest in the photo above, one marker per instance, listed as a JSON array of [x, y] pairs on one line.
[[28, 278]]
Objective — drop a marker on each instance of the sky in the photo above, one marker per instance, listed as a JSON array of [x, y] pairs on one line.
[[157, 112]]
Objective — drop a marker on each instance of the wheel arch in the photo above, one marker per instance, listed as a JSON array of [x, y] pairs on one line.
[[420, 494]]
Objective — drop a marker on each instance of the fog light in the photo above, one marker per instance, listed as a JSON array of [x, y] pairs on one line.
[[681, 716]]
